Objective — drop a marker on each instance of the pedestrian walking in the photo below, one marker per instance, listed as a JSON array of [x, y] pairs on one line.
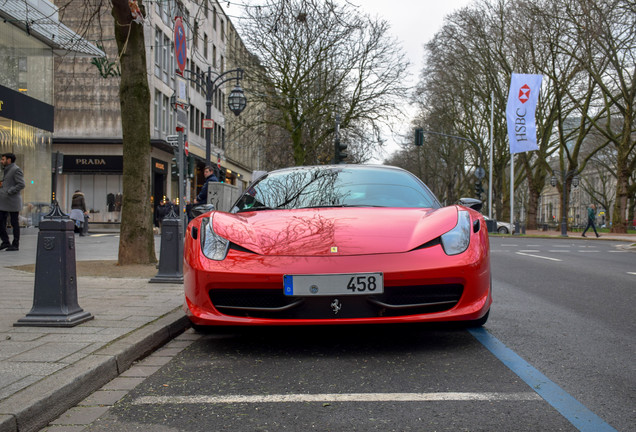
[[591, 218], [10, 201], [208, 172], [79, 212]]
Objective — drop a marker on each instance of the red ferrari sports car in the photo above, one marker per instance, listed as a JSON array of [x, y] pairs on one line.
[[339, 244]]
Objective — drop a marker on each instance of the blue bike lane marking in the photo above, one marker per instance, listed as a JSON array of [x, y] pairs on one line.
[[575, 412]]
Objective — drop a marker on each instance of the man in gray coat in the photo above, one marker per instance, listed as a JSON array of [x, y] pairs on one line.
[[10, 201]]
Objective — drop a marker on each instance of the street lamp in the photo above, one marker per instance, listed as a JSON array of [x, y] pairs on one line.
[[575, 183], [236, 100]]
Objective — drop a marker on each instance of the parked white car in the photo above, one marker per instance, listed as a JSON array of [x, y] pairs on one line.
[[503, 227]]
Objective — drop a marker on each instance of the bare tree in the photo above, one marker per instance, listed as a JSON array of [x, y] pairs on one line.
[[479, 47], [136, 241], [605, 30], [92, 20], [318, 59]]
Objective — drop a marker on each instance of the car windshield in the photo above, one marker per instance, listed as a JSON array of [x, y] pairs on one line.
[[312, 187]]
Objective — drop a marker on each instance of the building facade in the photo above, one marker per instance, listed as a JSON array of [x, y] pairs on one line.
[[88, 121], [31, 37]]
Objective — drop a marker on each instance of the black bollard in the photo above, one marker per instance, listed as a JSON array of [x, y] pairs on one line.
[[55, 293], [171, 253]]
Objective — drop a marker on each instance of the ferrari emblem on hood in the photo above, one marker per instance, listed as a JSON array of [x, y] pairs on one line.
[[334, 249]]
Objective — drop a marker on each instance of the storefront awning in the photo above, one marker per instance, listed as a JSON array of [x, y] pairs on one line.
[[42, 23]]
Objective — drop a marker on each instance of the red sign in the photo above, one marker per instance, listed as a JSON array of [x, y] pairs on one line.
[[180, 44], [186, 148]]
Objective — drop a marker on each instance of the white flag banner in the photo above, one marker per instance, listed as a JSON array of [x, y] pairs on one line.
[[520, 112]]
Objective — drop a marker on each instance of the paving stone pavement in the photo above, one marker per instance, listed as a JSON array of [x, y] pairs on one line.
[[46, 370]]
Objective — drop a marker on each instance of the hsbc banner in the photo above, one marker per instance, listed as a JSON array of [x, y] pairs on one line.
[[520, 112]]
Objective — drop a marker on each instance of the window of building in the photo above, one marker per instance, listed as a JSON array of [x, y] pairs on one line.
[[222, 64], [158, 40], [214, 18], [205, 46], [166, 58], [214, 56], [164, 110], [222, 30], [157, 116]]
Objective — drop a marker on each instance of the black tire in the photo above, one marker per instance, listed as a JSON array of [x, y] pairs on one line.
[[502, 230], [479, 322]]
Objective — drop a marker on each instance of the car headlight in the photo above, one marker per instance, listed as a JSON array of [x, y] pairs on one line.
[[457, 240], [213, 245]]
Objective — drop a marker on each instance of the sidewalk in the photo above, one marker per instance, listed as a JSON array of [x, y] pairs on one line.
[[46, 370], [577, 235]]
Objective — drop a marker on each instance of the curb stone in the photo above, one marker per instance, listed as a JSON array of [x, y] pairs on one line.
[[34, 407]]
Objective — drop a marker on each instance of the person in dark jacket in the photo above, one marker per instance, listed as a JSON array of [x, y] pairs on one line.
[[162, 211], [10, 201], [208, 172], [591, 218], [79, 213]]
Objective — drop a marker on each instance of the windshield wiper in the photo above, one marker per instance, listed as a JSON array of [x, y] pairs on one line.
[[255, 208]]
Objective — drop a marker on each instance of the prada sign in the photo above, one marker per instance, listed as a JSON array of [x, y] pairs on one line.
[[25, 109], [93, 164]]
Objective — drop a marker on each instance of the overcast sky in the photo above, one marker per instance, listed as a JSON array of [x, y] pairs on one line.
[[413, 23]]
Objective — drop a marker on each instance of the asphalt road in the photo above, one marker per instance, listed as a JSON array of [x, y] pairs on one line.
[[564, 307], [567, 307]]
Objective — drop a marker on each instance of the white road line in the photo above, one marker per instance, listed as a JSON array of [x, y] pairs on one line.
[[631, 273], [538, 256], [509, 245], [589, 251], [336, 397], [560, 251]]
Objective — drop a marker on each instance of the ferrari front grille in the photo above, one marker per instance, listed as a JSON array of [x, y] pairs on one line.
[[396, 301]]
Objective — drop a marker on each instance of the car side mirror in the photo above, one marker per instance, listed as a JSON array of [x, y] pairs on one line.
[[202, 208], [472, 203]]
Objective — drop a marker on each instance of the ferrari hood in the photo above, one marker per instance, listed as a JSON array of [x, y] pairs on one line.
[[334, 231]]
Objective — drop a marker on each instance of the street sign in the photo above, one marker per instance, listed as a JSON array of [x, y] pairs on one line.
[[180, 44], [181, 92], [207, 123], [173, 140], [182, 117], [186, 148], [480, 173]]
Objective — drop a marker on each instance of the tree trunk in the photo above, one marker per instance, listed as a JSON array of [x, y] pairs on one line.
[[136, 241], [623, 173]]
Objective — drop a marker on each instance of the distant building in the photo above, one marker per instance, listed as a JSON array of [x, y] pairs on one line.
[[88, 119], [31, 37]]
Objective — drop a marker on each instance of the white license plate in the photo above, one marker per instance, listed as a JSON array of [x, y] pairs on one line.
[[333, 284]]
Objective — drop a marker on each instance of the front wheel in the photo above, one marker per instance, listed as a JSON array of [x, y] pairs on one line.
[[502, 230], [479, 322]]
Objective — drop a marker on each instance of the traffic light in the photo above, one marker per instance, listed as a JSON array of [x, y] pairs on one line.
[[478, 189], [341, 154], [174, 169], [190, 166], [419, 137]]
